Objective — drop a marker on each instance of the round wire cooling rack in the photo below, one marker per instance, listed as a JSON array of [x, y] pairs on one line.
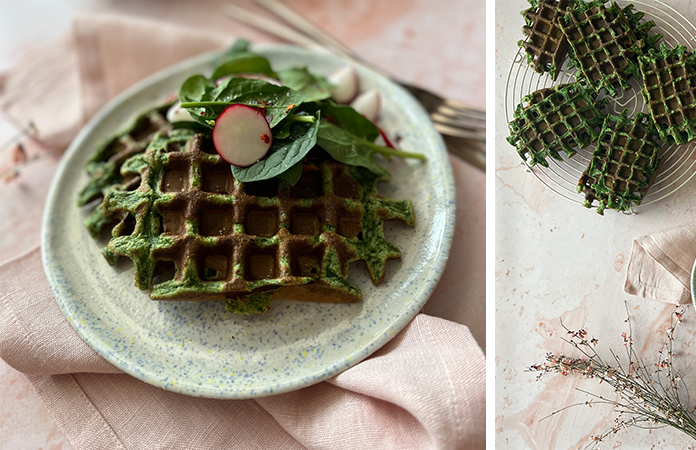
[[561, 177]]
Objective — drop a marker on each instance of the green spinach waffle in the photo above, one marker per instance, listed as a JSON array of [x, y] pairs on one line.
[[669, 89], [623, 165], [104, 166], [546, 45], [551, 120], [193, 232], [605, 43]]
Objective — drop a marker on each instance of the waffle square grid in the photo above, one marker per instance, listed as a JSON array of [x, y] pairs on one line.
[[669, 89], [104, 167], [561, 118], [194, 232], [624, 164], [606, 42], [546, 46]]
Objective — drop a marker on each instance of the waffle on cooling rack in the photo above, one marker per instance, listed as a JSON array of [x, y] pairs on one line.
[[624, 164], [669, 89], [546, 46], [606, 42], [551, 120]]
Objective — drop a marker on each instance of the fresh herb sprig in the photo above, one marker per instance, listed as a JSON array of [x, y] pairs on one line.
[[299, 112]]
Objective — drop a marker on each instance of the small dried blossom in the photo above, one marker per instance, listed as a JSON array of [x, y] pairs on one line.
[[19, 157], [19, 154], [645, 398]]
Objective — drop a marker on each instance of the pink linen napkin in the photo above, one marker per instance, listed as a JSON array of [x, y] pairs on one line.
[[424, 389], [660, 265]]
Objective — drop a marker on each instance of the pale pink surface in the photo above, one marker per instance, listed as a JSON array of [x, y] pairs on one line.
[[391, 34], [556, 260]]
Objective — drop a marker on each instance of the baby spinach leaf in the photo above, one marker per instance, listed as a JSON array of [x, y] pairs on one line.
[[314, 88], [349, 119], [350, 149], [232, 88], [239, 46], [282, 129], [277, 101], [195, 126], [284, 153], [194, 88], [293, 174], [245, 62]]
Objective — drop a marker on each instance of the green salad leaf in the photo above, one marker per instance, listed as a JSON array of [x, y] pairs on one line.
[[277, 101], [300, 112], [345, 147], [244, 63], [293, 174], [350, 120], [239, 46], [240, 59], [194, 88], [314, 88]]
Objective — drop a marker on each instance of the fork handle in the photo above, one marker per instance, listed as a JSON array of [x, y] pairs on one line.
[[271, 27], [303, 26], [297, 21]]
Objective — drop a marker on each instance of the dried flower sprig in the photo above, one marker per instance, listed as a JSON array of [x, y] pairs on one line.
[[647, 397], [19, 157]]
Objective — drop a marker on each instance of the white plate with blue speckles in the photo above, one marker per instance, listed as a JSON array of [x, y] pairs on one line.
[[198, 348], [693, 284]]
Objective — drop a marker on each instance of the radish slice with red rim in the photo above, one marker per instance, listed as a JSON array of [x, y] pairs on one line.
[[241, 135]]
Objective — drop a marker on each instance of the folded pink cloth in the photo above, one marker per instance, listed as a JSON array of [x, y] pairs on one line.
[[424, 389], [660, 265]]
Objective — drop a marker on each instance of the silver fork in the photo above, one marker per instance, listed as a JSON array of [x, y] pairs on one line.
[[464, 128]]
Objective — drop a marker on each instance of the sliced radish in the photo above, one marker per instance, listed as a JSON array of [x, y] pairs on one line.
[[368, 104], [241, 135], [387, 142], [347, 84], [178, 114]]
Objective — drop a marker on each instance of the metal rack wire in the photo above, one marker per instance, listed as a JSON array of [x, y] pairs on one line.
[[562, 177]]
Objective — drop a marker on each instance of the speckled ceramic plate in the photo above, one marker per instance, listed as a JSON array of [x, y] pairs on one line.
[[200, 349], [693, 284]]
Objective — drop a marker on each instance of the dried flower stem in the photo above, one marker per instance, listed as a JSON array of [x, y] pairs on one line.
[[19, 157], [647, 398], [29, 130]]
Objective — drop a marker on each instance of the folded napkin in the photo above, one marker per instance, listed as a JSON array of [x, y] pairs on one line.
[[660, 265], [423, 389]]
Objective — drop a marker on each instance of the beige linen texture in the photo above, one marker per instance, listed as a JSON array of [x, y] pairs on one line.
[[660, 265]]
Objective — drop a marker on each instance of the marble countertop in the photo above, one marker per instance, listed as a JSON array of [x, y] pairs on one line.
[[558, 261], [392, 34]]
